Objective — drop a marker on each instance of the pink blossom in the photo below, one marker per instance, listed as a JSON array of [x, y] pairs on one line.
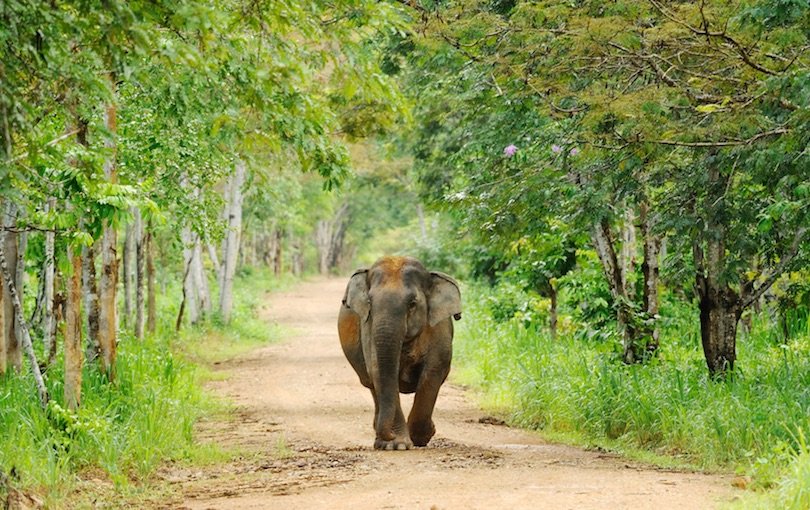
[[556, 149], [574, 151], [509, 150]]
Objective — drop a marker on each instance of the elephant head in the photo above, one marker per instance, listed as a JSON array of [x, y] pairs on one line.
[[404, 312]]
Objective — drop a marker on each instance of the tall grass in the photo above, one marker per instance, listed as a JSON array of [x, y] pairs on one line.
[[752, 422], [123, 431]]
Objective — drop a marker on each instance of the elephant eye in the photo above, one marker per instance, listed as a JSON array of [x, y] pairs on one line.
[[412, 304]]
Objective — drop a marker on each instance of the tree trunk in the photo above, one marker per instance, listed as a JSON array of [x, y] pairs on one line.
[[17, 310], [277, 261], [91, 305], [420, 214], [231, 241], [329, 238], [12, 352], [48, 326], [73, 333], [720, 310], [720, 305], [128, 272], [108, 320], [19, 278], [603, 242], [627, 261], [151, 312], [140, 261], [201, 279], [189, 287], [652, 248], [297, 257]]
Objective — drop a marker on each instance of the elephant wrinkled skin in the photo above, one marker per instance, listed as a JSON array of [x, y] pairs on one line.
[[396, 331]]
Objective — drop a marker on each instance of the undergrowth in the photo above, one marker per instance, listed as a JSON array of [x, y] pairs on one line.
[[576, 387], [124, 430]]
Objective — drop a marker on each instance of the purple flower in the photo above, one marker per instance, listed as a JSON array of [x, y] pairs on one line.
[[556, 149], [574, 151], [509, 151]]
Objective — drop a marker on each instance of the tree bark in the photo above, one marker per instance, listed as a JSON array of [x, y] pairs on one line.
[[48, 326], [420, 214], [189, 287], [140, 262], [297, 258], [73, 333], [8, 278], [329, 237], [91, 305], [627, 261], [231, 241], [12, 351], [151, 312], [649, 268], [108, 320], [200, 279], [603, 241], [128, 270]]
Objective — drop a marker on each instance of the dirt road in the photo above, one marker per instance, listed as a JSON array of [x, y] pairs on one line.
[[304, 423]]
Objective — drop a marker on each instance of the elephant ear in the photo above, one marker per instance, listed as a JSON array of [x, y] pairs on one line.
[[445, 299], [356, 296]]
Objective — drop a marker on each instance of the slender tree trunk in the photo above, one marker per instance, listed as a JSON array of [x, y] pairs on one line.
[[297, 257], [627, 261], [108, 320], [277, 254], [73, 333], [13, 354], [189, 287], [329, 239], [151, 312], [420, 214], [201, 279], [8, 278], [48, 326], [91, 305], [140, 262], [128, 271], [231, 242], [212, 254], [652, 247], [603, 242]]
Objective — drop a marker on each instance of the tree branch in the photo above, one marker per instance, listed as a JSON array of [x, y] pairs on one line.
[[53, 142], [722, 143], [777, 271]]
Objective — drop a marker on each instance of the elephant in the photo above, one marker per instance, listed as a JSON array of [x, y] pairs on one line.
[[396, 331]]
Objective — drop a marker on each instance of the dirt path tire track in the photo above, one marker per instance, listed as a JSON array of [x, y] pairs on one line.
[[305, 422]]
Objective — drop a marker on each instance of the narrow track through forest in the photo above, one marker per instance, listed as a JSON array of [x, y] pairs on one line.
[[304, 423]]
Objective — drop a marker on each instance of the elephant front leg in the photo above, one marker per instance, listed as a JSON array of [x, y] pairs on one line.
[[420, 422], [391, 436]]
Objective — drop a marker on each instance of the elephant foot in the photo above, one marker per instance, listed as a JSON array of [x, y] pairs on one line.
[[422, 432], [394, 444]]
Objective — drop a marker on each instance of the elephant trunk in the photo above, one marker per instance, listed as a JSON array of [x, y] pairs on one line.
[[387, 337]]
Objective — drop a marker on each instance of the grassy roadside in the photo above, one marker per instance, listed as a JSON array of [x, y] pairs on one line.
[[667, 412], [123, 432]]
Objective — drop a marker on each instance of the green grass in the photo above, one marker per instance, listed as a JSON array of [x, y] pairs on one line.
[[124, 431], [578, 390]]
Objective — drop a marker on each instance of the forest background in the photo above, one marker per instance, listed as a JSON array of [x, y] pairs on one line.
[[623, 187]]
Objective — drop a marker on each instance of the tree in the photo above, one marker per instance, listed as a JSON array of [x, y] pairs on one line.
[[696, 104]]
